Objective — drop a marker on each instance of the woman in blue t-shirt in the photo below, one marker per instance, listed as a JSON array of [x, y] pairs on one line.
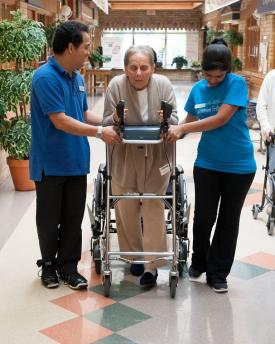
[[225, 166]]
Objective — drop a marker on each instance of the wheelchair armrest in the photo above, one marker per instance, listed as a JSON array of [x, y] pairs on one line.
[[102, 168], [179, 170]]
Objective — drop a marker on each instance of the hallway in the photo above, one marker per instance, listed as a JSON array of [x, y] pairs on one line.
[[32, 314]]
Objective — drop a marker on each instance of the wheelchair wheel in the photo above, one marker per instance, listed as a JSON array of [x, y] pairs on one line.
[[107, 285], [97, 257], [173, 286], [270, 225], [98, 193], [182, 196], [255, 211], [183, 252]]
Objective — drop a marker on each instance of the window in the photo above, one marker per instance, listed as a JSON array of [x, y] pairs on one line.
[[166, 43], [176, 45], [156, 40], [126, 40], [252, 44]]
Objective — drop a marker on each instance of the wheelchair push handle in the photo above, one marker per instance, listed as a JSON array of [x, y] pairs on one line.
[[272, 137], [120, 112], [167, 110]]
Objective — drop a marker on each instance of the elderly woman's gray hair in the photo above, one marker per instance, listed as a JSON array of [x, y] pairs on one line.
[[139, 49]]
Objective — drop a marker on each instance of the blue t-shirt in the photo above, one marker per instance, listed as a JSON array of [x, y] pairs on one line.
[[227, 148], [53, 151]]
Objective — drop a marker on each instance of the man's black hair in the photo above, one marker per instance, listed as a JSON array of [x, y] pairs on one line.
[[217, 56], [68, 32]]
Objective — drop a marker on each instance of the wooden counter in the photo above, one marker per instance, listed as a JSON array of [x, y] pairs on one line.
[[91, 76], [186, 74]]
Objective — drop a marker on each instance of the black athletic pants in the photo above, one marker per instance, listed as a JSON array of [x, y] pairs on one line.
[[219, 197], [60, 206]]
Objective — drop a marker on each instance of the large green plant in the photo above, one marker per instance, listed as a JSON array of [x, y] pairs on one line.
[[17, 138], [21, 42], [232, 37]]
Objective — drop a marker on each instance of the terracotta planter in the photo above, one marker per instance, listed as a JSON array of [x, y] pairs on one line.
[[20, 174]]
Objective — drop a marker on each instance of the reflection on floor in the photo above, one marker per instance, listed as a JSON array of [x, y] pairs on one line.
[[31, 314]]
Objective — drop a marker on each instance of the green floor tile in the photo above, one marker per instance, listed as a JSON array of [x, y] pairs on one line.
[[246, 271], [114, 339], [116, 317], [252, 191], [120, 291]]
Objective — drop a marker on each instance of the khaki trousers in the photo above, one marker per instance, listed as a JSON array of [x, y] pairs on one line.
[[128, 219]]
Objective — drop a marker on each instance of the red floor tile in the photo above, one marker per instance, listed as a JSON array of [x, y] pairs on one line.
[[76, 331], [264, 260], [86, 257], [83, 302], [253, 198]]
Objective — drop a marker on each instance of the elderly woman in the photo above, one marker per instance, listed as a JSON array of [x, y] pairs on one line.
[[137, 168]]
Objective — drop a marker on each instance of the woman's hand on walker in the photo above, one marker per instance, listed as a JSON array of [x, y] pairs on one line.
[[116, 119], [110, 135], [175, 132], [266, 135], [160, 115]]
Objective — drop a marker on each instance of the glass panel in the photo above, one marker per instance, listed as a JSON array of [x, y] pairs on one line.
[[155, 40], [176, 46], [175, 31], [126, 41]]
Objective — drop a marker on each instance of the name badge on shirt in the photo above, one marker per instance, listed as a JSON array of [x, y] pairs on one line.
[[200, 106], [81, 88]]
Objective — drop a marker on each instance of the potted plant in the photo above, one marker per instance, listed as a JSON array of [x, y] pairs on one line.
[[97, 58], [232, 37], [195, 65], [237, 64], [28, 39], [180, 61]]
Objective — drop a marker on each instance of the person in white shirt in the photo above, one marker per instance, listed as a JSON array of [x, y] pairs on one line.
[[266, 105]]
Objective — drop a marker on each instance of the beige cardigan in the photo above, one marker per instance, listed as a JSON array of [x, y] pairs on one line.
[[137, 166]]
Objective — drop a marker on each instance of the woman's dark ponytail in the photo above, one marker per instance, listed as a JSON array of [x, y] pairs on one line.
[[217, 56]]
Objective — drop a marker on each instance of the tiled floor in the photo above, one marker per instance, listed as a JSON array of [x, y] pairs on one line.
[[31, 314]]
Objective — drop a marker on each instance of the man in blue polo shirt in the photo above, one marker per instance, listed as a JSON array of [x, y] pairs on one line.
[[60, 154]]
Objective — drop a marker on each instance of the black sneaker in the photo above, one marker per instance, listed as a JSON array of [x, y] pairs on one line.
[[74, 280], [148, 279], [218, 287], [194, 275], [49, 276], [137, 269]]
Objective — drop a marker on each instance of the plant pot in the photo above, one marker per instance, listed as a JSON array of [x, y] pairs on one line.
[[179, 65], [19, 170]]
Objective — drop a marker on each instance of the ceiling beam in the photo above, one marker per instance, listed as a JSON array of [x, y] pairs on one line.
[[154, 5]]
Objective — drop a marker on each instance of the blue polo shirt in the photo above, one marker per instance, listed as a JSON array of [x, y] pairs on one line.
[[53, 151], [227, 148]]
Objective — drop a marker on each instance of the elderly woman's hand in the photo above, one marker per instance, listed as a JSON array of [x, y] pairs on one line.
[[175, 132], [116, 119], [266, 134], [160, 115]]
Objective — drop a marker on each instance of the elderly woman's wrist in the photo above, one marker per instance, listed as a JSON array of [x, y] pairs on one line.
[[115, 120]]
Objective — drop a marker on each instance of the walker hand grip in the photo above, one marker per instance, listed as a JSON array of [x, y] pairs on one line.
[[120, 110], [167, 110]]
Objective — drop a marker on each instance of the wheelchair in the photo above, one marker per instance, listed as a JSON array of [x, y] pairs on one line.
[[177, 211], [268, 194]]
